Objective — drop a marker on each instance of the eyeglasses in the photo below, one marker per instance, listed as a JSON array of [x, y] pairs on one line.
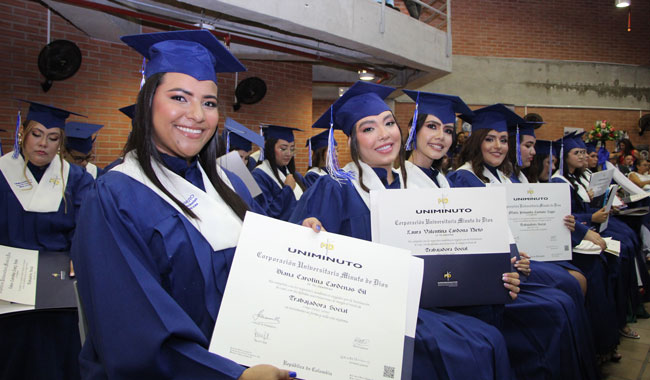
[[80, 159]]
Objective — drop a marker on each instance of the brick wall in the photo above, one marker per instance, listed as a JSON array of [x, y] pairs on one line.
[[576, 30], [583, 30], [109, 79]]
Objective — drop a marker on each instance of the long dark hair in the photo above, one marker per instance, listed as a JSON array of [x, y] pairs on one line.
[[534, 171], [269, 154], [512, 155], [437, 164], [628, 147], [577, 173], [354, 154], [141, 141], [318, 158], [471, 152]]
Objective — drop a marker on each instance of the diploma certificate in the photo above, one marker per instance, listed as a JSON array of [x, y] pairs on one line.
[[600, 181], [233, 162], [536, 214], [458, 232], [18, 271], [324, 305]]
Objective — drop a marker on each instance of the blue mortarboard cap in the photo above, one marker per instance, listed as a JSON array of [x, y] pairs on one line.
[[543, 147], [526, 129], [279, 132], [50, 117], [573, 140], [360, 100], [129, 111], [592, 146], [242, 137], [319, 141], [444, 107], [78, 136], [496, 116], [196, 53]]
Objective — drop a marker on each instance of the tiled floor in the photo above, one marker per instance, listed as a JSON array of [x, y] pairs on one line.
[[635, 364]]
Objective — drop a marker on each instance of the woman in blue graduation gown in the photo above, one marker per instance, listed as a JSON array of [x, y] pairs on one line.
[[317, 157], [40, 195], [448, 345], [561, 275], [619, 270], [160, 229], [540, 326], [40, 192], [276, 175]]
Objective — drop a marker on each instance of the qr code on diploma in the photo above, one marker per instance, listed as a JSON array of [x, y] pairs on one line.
[[389, 372]]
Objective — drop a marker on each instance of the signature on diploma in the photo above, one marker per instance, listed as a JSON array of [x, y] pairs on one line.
[[261, 318], [361, 343]]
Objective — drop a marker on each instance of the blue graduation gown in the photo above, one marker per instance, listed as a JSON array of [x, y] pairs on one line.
[[113, 164], [448, 345], [44, 343], [150, 284], [48, 231], [543, 327], [621, 270], [277, 202], [600, 300], [310, 178]]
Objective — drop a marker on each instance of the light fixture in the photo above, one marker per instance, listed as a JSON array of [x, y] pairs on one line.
[[365, 75], [623, 3]]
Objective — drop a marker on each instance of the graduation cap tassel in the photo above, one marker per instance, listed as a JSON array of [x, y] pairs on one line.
[[310, 154], [519, 160], [262, 148], [550, 162], [16, 143], [144, 79], [227, 141], [333, 168], [410, 141]]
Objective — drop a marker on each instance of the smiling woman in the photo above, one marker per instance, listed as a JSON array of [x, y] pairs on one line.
[[40, 195], [169, 264]]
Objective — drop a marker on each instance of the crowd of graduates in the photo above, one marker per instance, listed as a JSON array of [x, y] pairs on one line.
[[152, 236]]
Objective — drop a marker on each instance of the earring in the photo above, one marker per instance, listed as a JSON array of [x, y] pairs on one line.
[[20, 138]]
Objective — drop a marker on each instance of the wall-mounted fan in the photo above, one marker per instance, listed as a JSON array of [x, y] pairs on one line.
[[249, 91], [58, 60]]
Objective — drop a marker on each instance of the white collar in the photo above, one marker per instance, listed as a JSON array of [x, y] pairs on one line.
[[416, 178], [488, 174], [42, 196], [217, 222], [370, 179], [265, 166]]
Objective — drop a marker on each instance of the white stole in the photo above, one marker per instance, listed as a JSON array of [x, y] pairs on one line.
[[581, 190], [417, 179], [43, 196], [487, 174], [217, 222], [522, 177], [91, 169], [265, 166], [370, 179]]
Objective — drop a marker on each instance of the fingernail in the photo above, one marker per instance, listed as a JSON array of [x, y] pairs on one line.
[[318, 227], [293, 373]]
